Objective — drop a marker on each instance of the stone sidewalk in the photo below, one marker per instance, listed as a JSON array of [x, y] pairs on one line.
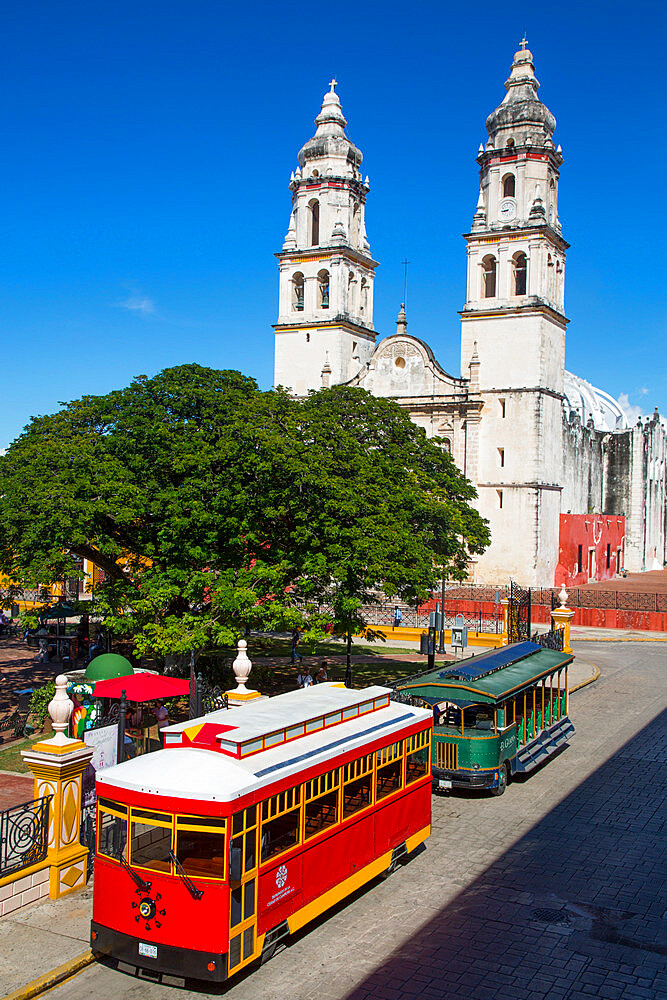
[[55, 932], [43, 936]]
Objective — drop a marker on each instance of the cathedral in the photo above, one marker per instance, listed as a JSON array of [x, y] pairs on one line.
[[571, 489]]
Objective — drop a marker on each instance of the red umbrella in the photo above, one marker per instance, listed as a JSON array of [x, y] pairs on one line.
[[142, 687]]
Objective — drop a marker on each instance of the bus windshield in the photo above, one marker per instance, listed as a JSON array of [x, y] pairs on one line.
[[479, 717], [197, 841]]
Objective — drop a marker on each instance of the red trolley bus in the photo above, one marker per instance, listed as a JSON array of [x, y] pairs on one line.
[[253, 821]]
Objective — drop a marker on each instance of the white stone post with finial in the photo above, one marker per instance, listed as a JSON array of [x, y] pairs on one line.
[[57, 766], [242, 666], [561, 618]]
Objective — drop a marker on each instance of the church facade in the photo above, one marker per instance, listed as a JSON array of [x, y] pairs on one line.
[[571, 490]]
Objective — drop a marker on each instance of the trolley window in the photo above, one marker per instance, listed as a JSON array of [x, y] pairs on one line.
[[279, 834], [200, 846], [281, 823], [389, 770], [321, 795], [417, 761], [243, 855], [112, 830], [357, 785], [150, 840]]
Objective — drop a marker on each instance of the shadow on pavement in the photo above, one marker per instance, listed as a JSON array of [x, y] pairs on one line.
[[573, 910]]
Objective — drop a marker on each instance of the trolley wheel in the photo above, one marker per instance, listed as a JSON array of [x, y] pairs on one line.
[[390, 870], [502, 780], [268, 953], [398, 856]]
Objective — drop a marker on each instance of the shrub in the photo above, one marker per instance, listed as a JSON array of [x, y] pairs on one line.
[[39, 703]]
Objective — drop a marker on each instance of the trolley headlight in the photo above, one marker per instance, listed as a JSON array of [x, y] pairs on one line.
[[475, 767], [147, 908]]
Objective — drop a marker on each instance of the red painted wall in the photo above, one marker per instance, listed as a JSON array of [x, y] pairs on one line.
[[649, 621], [597, 534]]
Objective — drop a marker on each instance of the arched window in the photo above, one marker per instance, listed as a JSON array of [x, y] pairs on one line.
[[314, 223], [355, 225], [363, 297], [323, 289], [509, 186], [297, 291], [489, 277], [351, 280], [520, 262], [550, 277]]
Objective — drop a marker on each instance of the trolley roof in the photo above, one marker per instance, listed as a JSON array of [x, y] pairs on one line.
[[203, 771], [490, 677]]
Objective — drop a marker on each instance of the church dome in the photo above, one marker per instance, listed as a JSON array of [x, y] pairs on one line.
[[593, 404], [330, 139], [521, 107]]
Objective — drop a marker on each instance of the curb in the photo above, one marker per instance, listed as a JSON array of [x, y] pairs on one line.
[[589, 680], [53, 978]]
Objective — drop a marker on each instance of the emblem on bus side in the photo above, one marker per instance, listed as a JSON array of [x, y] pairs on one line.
[[281, 876]]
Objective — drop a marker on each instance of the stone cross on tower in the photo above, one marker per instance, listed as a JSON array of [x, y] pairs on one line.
[[524, 42], [333, 84]]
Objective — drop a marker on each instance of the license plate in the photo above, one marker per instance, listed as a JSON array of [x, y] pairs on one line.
[[148, 950], [444, 783]]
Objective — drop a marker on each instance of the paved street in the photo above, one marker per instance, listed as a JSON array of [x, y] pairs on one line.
[[552, 891]]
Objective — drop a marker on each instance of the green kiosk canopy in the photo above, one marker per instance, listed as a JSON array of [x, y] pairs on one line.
[[108, 665]]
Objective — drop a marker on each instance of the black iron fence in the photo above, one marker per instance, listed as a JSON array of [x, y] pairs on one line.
[[554, 639], [205, 698], [14, 594], [24, 834], [382, 616]]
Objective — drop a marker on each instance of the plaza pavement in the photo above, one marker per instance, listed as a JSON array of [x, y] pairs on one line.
[[552, 892]]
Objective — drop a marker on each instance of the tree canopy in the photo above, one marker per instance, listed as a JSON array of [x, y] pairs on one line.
[[212, 506]]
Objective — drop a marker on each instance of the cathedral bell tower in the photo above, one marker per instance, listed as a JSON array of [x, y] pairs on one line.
[[514, 319], [326, 270]]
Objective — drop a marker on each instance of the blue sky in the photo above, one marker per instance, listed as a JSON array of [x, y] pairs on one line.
[[147, 149]]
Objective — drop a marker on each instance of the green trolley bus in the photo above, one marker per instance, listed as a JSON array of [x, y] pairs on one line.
[[498, 714]]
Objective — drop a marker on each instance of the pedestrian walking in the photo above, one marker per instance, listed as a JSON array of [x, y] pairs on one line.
[[296, 639]]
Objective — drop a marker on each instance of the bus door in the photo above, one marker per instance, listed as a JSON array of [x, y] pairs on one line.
[[243, 862]]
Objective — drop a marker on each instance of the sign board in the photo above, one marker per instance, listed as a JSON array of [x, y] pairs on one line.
[[105, 744], [435, 620]]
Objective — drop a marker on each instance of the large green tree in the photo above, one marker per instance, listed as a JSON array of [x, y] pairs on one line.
[[212, 506]]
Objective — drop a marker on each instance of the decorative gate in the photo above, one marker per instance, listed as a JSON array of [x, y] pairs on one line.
[[518, 614], [205, 698]]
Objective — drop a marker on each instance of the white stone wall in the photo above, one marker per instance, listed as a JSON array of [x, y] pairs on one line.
[[516, 350], [301, 354], [23, 890]]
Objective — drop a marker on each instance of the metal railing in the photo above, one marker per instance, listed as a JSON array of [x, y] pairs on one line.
[[16, 594], [382, 616], [554, 639], [24, 831]]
